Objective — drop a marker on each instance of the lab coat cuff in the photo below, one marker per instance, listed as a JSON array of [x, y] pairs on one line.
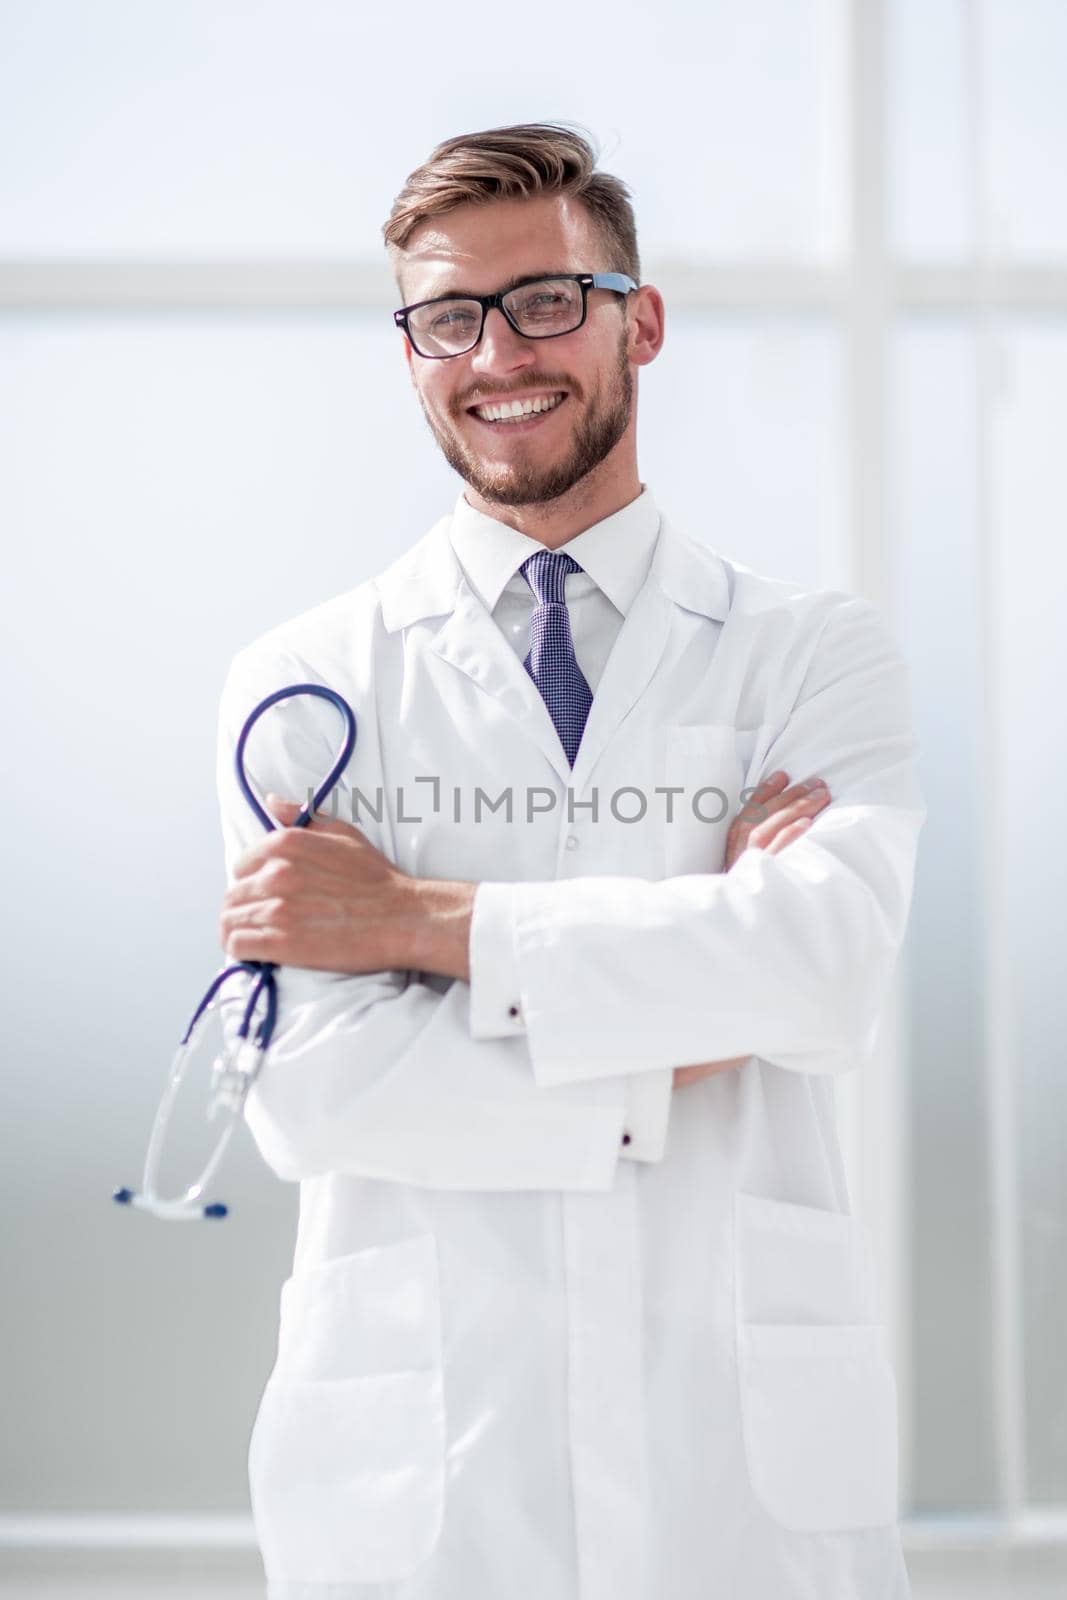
[[648, 1108], [495, 1003]]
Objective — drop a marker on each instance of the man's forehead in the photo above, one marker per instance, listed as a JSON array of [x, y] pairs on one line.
[[436, 252], [476, 248]]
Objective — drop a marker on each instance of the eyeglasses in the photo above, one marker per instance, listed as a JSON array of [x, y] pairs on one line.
[[538, 308]]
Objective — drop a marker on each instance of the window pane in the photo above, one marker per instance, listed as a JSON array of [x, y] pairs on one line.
[[1030, 581], [1025, 651], [935, 534], [949, 62], [930, 173], [741, 438], [1025, 50], [207, 131]]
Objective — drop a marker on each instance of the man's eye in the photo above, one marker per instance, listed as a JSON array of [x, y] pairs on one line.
[[451, 321]]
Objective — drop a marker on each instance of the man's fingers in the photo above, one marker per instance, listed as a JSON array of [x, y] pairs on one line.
[[771, 796], [763, 833], [764, 791], [287, 811], [763, 806], [319, 842], [770, 815], [704, 1069], [770, 800], [792, 831]]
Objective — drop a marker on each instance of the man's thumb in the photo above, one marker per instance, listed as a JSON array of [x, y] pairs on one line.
[[284, 810]]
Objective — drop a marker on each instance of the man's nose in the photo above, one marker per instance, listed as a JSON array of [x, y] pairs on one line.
[[501, 349]]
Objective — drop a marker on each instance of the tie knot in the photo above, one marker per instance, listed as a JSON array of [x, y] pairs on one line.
[[545, 571]]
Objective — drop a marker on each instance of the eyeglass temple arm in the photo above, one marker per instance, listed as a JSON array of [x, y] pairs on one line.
[[619, 281]]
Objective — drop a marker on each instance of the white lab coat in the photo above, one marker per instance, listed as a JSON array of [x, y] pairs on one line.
[[512, 1363]]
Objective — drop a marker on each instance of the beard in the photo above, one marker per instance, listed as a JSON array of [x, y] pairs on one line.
[[516, 483]]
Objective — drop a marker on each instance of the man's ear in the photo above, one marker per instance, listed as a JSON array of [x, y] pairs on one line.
[[647, 314], [407, 356]]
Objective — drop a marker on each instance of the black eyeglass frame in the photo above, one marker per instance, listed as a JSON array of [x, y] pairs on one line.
[[617, 282]]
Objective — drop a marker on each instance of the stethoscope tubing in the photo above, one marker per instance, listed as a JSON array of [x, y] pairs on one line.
[[188, 1207]]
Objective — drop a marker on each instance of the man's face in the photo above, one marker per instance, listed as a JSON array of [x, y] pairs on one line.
[[477, 250]]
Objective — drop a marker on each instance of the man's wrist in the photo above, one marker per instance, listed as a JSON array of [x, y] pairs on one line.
[[440, 927]]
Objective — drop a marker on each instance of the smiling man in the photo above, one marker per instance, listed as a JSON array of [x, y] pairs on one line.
[[579, 1308], [548, 444]]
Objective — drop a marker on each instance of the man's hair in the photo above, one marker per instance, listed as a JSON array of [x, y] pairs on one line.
[[517, 163]]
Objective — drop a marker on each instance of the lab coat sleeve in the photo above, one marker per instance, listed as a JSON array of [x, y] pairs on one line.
[[378, 1074], [786, 957], [496, 1013]]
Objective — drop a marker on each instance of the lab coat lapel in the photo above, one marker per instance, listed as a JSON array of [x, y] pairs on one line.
[[680, 576], [470, 640], [429, 581], [634, 657]]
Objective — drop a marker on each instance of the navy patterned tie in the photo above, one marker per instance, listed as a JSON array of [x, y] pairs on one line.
[[550, 660]]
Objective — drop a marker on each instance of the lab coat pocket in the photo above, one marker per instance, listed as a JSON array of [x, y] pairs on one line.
[[347, 1454], [705, 762], [817, 1391]]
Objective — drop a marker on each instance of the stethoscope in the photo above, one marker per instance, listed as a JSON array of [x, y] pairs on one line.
[[236, 1068]]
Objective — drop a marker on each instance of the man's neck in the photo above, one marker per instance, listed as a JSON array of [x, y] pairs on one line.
[[554, 522]]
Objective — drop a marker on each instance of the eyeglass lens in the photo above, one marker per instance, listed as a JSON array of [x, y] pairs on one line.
[[538, 310]]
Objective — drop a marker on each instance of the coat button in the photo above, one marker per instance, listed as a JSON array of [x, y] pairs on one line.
[[572, 841], [513, 1011], [626, 1138]]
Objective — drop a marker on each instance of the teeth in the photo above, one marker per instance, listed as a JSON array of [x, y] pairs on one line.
[[511, 409]]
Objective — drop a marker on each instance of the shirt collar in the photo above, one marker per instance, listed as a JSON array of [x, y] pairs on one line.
[[616, 552]]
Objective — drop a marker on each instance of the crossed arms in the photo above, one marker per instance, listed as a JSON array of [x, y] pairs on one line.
[[786, 955]]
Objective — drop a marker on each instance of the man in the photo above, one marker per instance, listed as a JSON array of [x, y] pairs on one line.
[[579, 1309]]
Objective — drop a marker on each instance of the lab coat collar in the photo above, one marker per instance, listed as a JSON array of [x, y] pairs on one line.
[[615, 552], [429, 581], [426, 580]]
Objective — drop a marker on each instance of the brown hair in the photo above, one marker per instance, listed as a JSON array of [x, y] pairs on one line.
[[514, 163]]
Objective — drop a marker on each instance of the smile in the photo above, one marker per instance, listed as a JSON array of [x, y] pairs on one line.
[[520, 414]]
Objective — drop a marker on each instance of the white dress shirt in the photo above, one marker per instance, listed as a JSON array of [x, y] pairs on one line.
[[615, 555]]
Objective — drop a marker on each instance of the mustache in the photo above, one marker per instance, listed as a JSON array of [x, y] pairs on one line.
[[476, 397]]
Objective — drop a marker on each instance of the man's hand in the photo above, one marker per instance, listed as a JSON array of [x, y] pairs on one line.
[[776, 813], [320, 896]]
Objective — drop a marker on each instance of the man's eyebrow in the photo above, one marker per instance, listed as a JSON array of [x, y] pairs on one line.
[[505, 288]]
